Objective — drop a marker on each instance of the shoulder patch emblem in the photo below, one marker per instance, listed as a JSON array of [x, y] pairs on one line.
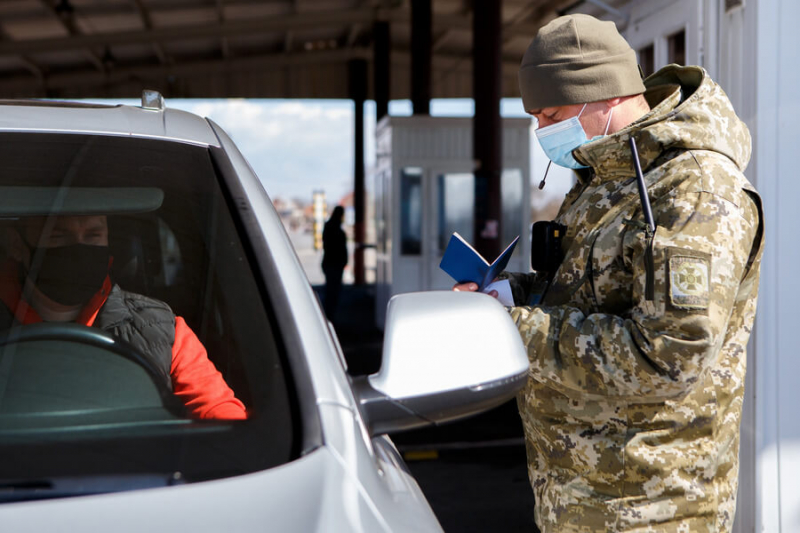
[[689, 282]]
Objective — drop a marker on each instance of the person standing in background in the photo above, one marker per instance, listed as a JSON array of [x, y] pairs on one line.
[[334, 259]]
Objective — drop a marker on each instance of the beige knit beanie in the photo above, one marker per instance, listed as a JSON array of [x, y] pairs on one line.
[[577, 59]]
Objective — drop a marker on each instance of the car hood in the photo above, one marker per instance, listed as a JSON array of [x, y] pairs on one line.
[[313, 493]]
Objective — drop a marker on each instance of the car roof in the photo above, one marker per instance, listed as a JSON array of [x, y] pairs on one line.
[[73, 117]]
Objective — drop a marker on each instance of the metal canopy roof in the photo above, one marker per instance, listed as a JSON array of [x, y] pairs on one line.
[[239, 48]]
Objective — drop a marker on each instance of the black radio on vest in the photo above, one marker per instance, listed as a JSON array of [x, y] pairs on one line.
[[546, 253]]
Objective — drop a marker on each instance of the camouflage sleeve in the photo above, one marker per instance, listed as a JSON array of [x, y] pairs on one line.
[[656, 349], [522, 285]]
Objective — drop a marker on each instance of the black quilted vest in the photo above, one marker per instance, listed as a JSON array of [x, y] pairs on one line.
[[146, 324]]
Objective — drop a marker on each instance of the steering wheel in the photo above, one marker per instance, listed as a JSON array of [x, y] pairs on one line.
[[97, 338]]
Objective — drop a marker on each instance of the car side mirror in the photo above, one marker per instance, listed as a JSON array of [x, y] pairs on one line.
[[446, 355]]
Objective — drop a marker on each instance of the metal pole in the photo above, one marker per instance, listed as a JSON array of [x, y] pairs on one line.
[[382, 68], [421, 22], [358, 92], [487, 127]]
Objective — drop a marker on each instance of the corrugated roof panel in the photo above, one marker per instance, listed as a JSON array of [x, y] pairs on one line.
[[57, 60], [184, 17], [200, 39], [133, 53], [240, 11], [40, 28], [111, 23], [193, 49]]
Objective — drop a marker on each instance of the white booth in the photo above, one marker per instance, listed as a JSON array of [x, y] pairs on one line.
[[424, 190]]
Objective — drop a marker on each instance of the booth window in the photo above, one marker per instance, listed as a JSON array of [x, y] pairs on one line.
[[512, 193], [456, 207], [647, 59], [381, 198], [676, 48], [411, 211]]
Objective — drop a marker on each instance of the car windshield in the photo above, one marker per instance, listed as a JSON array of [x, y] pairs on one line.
[[137, 340]]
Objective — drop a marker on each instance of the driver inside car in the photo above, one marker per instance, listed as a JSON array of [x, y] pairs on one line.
[[58, 271]]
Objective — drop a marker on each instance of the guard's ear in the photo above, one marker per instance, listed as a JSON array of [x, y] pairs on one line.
[[613, 102]]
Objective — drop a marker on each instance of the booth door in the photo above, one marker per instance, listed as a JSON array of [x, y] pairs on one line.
[[452, 210], [437, 202], [433, 203], [451, 205]]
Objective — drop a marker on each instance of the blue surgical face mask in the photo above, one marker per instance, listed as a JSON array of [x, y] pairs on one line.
[[560, 139]]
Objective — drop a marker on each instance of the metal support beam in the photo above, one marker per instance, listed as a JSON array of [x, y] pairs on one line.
[[464, 21], [382, 67], [32, 67], [230, 28], [288, 42], [441, 40], [147, 22], [518, 19], [421, 27], [355, 29], [223, 44], [89, 81], [352, 35], [65, 13], [227, 28], [28, 63], [487, 128], [358, 92]]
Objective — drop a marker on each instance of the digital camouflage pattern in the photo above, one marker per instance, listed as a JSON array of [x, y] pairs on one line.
[[632, 409]]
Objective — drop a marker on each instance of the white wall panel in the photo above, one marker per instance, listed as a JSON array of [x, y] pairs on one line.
[[776, 73]]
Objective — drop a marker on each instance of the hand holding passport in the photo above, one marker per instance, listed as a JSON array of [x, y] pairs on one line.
[[464, 264]]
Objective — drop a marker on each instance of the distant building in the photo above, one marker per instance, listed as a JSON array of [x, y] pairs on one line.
[[292, 213]]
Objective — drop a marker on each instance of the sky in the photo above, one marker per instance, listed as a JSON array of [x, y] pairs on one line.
[[295, 146], [299, 146]]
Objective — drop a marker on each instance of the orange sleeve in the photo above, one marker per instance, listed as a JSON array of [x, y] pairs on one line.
[[197, 382]]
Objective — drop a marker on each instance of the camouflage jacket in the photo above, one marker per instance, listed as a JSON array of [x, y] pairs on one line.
[[632, 409]]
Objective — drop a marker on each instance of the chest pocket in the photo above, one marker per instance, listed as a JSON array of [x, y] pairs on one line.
[[575, 280], [593, 278], [594, 275], [610, 279], [567, 285]]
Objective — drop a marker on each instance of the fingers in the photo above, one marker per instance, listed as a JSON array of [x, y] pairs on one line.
[[472, 287]]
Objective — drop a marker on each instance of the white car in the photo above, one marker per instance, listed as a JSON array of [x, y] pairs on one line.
[[95, 433]]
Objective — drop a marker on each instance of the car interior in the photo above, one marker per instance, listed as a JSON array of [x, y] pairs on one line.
[[189, 253]]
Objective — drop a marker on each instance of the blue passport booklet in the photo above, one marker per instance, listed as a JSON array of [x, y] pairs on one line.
[[464, 264]]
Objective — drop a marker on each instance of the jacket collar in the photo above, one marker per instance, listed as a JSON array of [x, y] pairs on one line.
[[610, 156]]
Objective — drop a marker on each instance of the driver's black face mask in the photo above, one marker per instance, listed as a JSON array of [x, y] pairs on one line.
[[69, 275]]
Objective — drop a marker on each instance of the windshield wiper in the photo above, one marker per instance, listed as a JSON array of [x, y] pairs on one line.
[[67, 487]]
